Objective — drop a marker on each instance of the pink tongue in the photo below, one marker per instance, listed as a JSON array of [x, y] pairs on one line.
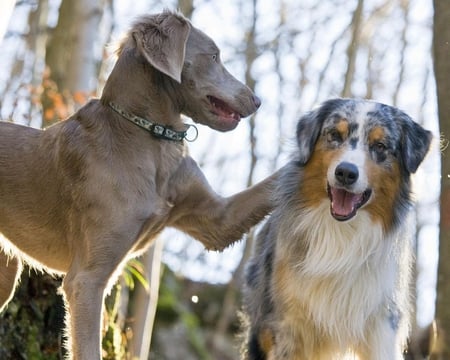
[[343, 202]]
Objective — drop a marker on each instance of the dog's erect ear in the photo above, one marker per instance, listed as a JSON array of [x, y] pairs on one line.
[[162, 41], [309, 127], [415, 142]]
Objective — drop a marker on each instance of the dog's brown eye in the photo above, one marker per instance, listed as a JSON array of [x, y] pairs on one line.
[[334, 136], [380, 147]]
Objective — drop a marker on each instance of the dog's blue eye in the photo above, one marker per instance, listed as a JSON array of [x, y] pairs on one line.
[[214, 57]]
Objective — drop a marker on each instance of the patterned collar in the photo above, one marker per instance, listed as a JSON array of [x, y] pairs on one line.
[[157, 130]]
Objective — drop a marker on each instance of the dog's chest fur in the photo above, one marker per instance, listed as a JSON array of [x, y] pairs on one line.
[[345, 275]]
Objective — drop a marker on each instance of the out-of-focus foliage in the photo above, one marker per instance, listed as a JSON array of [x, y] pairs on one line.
[[29, 325]]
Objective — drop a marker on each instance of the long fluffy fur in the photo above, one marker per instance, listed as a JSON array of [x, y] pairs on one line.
[[319, 288]]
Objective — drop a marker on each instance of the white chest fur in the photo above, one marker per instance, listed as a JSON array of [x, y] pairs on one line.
[[347, 273]]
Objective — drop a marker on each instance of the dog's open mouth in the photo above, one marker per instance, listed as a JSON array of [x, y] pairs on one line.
[[223, 110], [345, 204]]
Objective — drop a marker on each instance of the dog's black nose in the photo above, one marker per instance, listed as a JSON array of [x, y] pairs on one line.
[[346, 173], [256, 101]]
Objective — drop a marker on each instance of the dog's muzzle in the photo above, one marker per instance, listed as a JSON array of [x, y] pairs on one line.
[[344, 202]]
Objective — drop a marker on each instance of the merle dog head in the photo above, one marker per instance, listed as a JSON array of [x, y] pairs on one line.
[[363, 150]]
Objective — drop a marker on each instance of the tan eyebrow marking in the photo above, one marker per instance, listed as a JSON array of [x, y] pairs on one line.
[[376, 134], [342, 127]]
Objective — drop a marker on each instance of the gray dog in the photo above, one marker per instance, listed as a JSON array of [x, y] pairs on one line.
[[88, 193]]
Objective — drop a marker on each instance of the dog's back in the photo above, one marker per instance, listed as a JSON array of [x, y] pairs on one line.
[[329, 277]]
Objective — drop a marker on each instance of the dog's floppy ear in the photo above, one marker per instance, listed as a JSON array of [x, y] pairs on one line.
[[308, 130], [415, 142], [162, 41], [309, 127]]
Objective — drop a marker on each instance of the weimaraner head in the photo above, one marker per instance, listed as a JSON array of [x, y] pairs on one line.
[[210, 94]]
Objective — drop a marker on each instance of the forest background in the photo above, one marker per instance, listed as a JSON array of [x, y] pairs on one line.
[[56, 54]]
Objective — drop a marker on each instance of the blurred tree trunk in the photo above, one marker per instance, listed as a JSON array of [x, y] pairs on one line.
[[71, 75], [72, 46], [441, 49], [352, 49]]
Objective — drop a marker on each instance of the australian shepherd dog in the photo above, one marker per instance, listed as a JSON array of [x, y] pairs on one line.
[[329, 278]]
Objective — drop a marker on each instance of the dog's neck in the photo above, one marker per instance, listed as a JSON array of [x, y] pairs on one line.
[[145, 93]]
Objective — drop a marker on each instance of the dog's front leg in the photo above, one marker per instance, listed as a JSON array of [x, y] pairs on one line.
[[84, 298], [10, 269], [85, 285], [214, 220]]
